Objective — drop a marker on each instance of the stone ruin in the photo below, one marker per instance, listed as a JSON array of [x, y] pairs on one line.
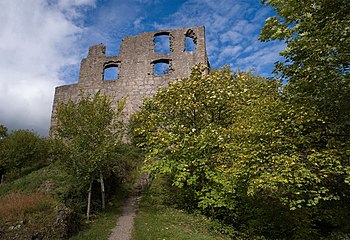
[[146, 62]]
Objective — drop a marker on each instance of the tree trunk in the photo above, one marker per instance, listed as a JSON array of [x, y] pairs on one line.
[[2, 178], [89, 200], [103, 191]]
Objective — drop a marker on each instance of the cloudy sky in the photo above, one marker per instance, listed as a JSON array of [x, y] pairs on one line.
[[43, 41]]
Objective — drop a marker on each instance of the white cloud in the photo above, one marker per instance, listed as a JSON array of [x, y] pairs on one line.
[[138, 25], [231, 36], [74, 9], [261, 58], [36, 40], [43, 41], [232, 31], [71, 3], [110, 22], [227, 53]]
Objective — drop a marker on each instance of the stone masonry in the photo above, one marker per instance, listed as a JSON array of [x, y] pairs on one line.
[[136, 68]]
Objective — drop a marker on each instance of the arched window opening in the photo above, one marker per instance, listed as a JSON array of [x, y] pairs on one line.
[[190, 45], [162, 43], [190, 41], [111, 73], [161, 67]]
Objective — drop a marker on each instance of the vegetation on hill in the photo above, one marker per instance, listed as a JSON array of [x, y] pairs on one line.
[[234, 146], [262, 159], [46, 197], [271, 160], [89, 135], [30, 206], [22, 151]]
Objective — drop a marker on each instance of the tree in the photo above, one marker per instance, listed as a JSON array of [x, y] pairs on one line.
[[317, 59], [179, 127], [187, 129], [23, 148], [89, 130], [317, 69], [3, 134], [226, 139], [3, 131]]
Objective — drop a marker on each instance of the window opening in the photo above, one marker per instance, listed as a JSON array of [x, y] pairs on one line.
[[162, 43], [190, 45], [190, 41], [111, 73], [161, 68]]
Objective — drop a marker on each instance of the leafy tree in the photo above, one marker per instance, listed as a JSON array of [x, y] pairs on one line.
[[3, 131], [317, 57], [225, 139], [89, 131], [179, 128], [317, 67], [23, 148]]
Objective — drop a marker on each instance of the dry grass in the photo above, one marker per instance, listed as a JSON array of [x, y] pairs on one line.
[[15, 206]]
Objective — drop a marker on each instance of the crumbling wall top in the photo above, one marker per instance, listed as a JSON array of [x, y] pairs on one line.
[[142, 66]]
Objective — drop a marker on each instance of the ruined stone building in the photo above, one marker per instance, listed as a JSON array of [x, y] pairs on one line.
[[145, 62]]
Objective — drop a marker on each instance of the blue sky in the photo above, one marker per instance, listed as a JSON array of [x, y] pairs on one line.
[[43, 41]]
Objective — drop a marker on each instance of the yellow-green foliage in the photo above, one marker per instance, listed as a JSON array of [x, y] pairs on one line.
[[225, 137]]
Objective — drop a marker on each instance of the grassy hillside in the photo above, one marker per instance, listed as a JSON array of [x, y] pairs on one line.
[[50, 204], [30, 206], [51, 179]]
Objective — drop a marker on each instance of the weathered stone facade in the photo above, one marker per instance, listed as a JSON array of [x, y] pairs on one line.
[[136, 67]]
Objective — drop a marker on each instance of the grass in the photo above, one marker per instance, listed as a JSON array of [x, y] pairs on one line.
[[48, 179], [16, 206], [158, 221], [103, 223], [31, 200], [27, 204], [26, 215]]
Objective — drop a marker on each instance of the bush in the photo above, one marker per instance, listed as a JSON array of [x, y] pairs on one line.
[[21, 152], [235, 147]]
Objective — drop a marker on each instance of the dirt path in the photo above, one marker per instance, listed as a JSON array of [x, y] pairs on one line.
[[123, 229]]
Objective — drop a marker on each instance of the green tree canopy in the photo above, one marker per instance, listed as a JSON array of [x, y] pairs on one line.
[[225, 137], [317, 67], [23, 148], [3, 131], [89, 131], [317, 56]]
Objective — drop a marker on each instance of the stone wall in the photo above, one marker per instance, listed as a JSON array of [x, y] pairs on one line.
[[137, 77]]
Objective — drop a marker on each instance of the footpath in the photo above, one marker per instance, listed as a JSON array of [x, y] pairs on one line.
[[125, 223]]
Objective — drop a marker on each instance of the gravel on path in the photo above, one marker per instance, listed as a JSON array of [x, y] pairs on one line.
[[124, 226]]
